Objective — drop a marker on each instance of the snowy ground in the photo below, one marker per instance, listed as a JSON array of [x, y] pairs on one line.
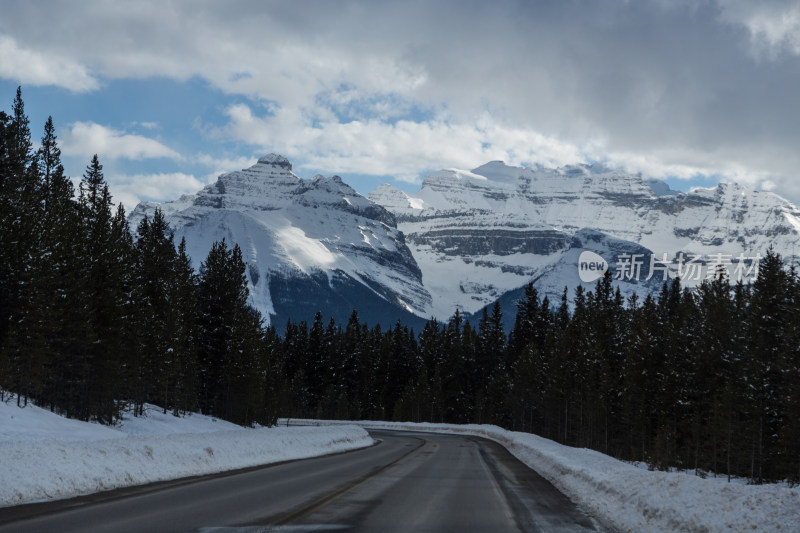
[[631, 498], [44, 456]]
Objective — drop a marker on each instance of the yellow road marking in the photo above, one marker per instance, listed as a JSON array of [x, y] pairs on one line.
[[338, 493]]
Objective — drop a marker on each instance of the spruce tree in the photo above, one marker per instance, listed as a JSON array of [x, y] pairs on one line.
[[99, 368], [22, 295], [230, 339], [60, 281], [767, 359], [154, 366], [184, 331], [712, 373], [316, 361]]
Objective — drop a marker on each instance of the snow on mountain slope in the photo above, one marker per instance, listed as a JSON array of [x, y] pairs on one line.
[[466, 238], [561, 270], [298, 235], [478, 234]]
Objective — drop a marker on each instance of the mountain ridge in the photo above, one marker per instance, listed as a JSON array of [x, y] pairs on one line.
[[317, 233], [464, 240], [545, 207]]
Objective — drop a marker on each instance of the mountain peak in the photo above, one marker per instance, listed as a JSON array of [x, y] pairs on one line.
[[498, 171], [660, 188], [276, 160], [309, 244]]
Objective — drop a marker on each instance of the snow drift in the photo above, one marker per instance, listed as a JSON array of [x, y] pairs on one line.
[[80, 458]]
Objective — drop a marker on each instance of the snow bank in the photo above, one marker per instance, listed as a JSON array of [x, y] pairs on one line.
[[46, 457], [630, 498], [156, 422], [32, 423]]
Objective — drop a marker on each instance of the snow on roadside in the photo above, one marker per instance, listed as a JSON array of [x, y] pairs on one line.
[[46, 457], [629, 498], [32, 423], [156, 422]]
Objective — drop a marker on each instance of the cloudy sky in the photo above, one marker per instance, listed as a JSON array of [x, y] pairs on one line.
[[170, 94]]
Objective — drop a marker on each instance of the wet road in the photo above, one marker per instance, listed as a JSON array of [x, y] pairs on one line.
[[407, 482]]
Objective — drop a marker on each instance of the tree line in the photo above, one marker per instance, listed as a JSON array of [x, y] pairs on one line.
[[97, 318], [705, 379], [93, 321]]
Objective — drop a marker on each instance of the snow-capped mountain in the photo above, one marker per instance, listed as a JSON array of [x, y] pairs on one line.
[[309, 244], [476, 235], [562, 272], [468, 238]]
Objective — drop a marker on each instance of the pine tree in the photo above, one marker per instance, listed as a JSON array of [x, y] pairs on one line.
[[230, 339], [433, 348], [789, 437], [639, 373], [398, 359], [23, 348], [294, 345], [6, 201], [316, 361], [99, 368], [525, 323], [348, 378], [59, 279], [156, 316], [605, 365], [490, 364], [184, 331], [712, 370], [275, 382], [767, 358]]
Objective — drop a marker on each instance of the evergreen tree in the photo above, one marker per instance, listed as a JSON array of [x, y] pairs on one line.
[[768, 357], [98, 369], [789, 396], [316, 362], [712, 370], [490, 369], [184, 331], [154, 366], [526, 329], [706, 379], [348, 377], [230, 340], [22, 295], [64, 311]]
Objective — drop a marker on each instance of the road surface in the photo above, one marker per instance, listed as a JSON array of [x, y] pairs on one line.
[[406, 482]]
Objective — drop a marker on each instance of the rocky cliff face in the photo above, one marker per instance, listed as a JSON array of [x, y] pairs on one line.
[[309, 244], [478, 234], [467, 238]]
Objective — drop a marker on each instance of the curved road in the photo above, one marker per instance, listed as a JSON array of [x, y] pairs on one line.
[[406, 482]]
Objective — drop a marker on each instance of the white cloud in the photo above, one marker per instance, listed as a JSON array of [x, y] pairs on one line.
[[131, 189], [774, 27], [402, 149], [222, 165], [406, 150], [29, 67], [84, 139], [667, 87]]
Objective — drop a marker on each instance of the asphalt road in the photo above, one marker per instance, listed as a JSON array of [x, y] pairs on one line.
[[407, 482]]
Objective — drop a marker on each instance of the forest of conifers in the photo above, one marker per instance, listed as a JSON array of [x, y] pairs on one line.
[[96, 318]]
